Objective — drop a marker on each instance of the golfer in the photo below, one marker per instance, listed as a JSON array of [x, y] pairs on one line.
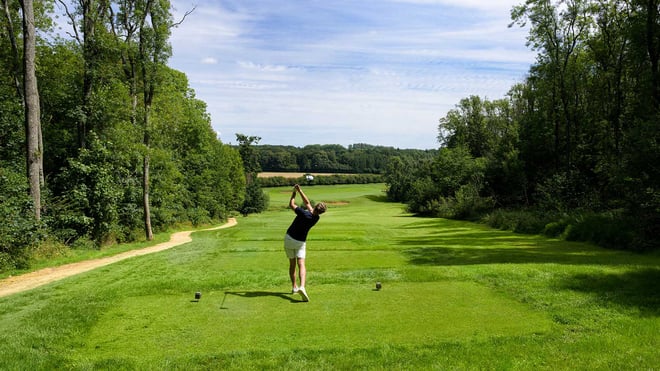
[[296, 235]]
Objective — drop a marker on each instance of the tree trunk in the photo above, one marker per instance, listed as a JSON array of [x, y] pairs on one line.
[[149, 234], [89, 29], [653, 52], [16, 59], [32, 110]]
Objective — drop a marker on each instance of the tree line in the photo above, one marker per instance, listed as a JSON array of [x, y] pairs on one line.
[[571, 151], [100, 141], [358, 158]]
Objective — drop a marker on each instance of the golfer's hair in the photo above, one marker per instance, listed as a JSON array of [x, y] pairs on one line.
[[320, 208]]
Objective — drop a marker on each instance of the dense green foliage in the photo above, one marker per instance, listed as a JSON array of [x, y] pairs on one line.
[[256, 200], [18, 229], [455, 296], [333, 158], [578, 141], [116, 123], [332, 179]]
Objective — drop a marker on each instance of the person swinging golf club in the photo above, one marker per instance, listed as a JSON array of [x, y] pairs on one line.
[[296, 237]]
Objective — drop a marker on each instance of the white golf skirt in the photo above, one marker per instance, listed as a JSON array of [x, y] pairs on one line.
[[294, 248]]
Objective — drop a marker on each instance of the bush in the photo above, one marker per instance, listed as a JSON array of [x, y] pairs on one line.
[[256, 200], [198, 216], [469, 204], [609, 229], [433, 207], [425, 199], [84, 243], [606, 229], [93, 193], [520, 221], [19, 230], [555, 229], [48, 249]]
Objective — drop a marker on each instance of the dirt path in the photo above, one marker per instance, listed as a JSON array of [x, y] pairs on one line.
[[28, 281]]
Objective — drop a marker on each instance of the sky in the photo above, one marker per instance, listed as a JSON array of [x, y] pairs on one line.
[[381, 72]]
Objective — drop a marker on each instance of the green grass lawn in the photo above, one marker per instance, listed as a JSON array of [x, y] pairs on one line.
[[455, 295]]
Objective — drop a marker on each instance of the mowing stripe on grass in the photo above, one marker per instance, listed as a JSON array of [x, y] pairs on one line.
[[338, 316]]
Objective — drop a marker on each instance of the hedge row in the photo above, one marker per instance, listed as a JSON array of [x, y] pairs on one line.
[[280, 181]]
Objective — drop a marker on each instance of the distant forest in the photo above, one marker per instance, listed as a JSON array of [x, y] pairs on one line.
[[334, 158]]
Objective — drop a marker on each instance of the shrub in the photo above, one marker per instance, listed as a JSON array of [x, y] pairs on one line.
[[19, 230], [609, 229], [48, 249], [528, 221], [433, 207], [198, 216], [555, 229], [93, 193], [605, 229], [469, 204], [256, 200]]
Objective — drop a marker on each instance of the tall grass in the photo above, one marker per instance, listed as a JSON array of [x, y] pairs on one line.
[[455, 295], [611, 229]]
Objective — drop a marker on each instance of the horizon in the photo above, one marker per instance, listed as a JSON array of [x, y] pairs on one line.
[[338, 144]]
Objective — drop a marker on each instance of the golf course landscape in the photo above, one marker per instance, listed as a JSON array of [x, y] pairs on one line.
[[455, 295]]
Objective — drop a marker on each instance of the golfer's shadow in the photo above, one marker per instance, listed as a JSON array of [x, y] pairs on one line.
[[258, 294]]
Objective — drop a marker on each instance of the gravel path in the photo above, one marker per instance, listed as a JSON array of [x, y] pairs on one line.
[[28, 281]]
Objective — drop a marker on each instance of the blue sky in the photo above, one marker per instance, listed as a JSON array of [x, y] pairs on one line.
[[382, 72]]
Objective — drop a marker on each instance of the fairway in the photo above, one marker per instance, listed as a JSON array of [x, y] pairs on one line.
[[455, 295]]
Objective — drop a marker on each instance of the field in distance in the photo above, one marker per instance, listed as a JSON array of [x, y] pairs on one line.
[[270, 174]]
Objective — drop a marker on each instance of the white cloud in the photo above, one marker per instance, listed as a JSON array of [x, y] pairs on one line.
[[308, 72], [209, 60], [484, 5], [262, 67]]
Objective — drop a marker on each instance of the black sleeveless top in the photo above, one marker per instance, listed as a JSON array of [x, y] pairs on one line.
[[301, 225]]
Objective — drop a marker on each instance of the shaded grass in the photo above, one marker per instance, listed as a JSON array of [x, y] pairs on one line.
[[456, 295]]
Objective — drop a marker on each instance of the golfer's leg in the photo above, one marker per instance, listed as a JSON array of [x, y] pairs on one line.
[[292, 272], [302, 271]]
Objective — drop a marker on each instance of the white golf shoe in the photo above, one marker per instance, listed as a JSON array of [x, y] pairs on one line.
[[303, 293]]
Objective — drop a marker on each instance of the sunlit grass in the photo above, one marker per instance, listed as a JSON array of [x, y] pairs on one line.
[[455, 296]]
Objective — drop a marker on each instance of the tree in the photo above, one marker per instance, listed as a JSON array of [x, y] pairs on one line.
[[557, 31], [399, 176], [255, 199], [32, 110], [249, 154], [653, 48], [15, 53], [88, 22], [125, 24], [12, 106]]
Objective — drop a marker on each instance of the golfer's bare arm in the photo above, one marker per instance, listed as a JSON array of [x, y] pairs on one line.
[[292, 201], [308, 205]]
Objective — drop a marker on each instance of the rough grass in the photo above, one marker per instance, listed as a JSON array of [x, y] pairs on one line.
[[455, 296]]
